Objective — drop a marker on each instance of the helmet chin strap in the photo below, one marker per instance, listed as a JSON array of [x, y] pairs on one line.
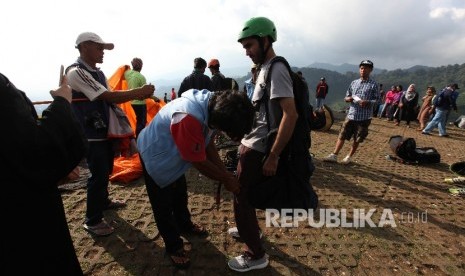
[[261, 44]]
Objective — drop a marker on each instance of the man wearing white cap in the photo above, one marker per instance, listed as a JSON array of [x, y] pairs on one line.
[[91, 104]]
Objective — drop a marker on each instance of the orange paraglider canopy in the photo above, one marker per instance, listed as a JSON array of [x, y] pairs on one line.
[[127, 169]]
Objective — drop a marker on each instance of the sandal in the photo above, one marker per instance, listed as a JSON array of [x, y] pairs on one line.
[[196, 230], [179, 259]]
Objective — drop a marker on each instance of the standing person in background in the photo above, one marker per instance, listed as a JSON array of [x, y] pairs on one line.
[[322, 90], [454, 96], [197, 79], [443, 103], [217, 77], [173, 94], [165, 98], [427, 107], [91, 104], [37, 155], [362, 95], [408, 104], [249, 84], [135, 80], [388, 99], [379, 107], [394, 108]]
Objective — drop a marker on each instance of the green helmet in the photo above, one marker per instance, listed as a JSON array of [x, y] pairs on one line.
[[258, 26]]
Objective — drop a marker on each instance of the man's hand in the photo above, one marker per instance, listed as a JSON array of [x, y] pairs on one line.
[[363, 103], [271, 165], [146, 91], [232, 184], [348, 99]]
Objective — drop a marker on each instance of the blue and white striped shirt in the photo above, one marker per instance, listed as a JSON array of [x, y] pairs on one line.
[[365, 90]]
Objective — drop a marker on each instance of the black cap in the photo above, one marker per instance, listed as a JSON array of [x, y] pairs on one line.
[[322, 79], [366, 62], [454, 86]]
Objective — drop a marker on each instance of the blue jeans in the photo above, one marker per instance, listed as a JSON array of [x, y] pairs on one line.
[[100, 162], [439, 121], [320, 102]]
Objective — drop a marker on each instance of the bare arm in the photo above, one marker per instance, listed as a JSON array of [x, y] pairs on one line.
[[285, 130], [214, 168], [141, 93]]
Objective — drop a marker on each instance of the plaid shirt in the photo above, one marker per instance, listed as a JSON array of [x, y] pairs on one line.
[[365, 90]]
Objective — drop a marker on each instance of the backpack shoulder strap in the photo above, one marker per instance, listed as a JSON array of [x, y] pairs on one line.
[[76, 64], [266, 95], [273, 61]]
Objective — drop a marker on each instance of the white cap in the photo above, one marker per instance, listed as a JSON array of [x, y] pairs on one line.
[[88, 36]]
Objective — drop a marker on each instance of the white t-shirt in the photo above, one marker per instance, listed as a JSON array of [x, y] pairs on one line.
[[82, 81]]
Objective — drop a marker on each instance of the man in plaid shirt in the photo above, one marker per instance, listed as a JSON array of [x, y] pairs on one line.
[[363, 96]]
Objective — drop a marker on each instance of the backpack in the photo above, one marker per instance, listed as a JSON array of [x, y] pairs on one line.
[[443, 99], [290, 187], [408, 151], [229, 83], [300, 140]]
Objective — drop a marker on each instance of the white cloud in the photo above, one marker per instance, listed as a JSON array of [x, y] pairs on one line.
[[38, 36]]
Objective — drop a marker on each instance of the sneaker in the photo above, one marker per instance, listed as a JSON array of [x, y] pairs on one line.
[[454, 191], [245, 263], [101, 229], [455, 180], [331, 158], [425, 133], [444, 135], [346, 160], [233, 232]]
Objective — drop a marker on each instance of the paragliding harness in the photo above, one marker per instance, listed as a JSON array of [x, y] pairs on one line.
[[290, 188]]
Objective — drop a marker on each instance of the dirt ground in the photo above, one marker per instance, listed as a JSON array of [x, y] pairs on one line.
[[428, 237]]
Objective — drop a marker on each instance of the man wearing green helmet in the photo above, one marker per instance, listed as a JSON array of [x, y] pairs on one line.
[[257, 37]]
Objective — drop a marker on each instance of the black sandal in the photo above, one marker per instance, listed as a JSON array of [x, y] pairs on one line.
[[182, 254]]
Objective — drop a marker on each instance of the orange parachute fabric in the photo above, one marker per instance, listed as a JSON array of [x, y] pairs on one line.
[[127, 169]]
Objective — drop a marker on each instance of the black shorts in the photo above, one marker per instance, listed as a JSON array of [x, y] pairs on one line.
[[358, 130]]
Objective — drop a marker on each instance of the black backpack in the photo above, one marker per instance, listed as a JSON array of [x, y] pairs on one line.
[[300, 140], [408, 151], [290, 188], [443, 99]]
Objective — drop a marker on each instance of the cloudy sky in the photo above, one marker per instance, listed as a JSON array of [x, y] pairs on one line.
[[38, 36]]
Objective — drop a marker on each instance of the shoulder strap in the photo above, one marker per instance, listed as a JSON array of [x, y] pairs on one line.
[[273, 61], [266, 96]]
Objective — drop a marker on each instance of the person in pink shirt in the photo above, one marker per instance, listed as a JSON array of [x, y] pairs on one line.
[[389, 97], [393, 110]]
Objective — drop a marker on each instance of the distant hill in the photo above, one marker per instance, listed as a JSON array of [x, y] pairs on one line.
[[343, 68], [339, 77]]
